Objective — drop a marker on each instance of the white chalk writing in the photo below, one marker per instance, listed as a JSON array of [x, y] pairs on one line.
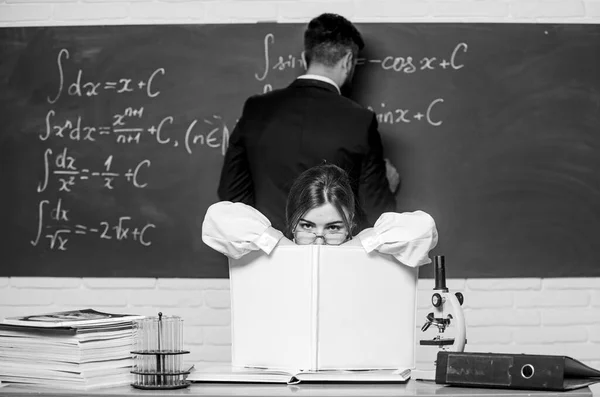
[[396, 115], [54, 225], [408, 64], [81, 87]]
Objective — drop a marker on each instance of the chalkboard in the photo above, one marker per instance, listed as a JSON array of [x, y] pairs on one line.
[[112, 140]]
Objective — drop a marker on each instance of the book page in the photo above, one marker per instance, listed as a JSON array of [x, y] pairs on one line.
[[71, 318], [367, 376], [271, 306], [352, 335], [228, 373]]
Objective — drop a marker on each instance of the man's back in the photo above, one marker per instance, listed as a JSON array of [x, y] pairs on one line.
[[287, 131]]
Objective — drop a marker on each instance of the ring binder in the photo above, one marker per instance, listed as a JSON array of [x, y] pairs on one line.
[[513, 371]]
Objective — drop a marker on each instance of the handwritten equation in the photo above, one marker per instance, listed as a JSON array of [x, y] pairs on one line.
[[59, 233], [62, 170], [409, 64], [404, 64], [406, 116], [389, 115], [82, 87], [214, 135], [63, 166], [209, 132]]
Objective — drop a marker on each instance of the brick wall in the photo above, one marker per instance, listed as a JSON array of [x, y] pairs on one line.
[[552, 316], [95, 12]]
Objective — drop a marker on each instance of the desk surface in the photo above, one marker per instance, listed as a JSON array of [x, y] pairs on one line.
[[411, 388]]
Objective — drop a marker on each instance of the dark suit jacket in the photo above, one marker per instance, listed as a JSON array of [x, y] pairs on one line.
[[286, 131]]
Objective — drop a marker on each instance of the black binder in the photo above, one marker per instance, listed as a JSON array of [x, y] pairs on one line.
[[513, 371]]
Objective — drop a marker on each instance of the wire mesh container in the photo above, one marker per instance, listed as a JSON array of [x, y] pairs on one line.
[[158, 353]]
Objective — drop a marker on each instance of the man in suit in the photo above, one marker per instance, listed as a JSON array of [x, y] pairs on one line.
[[284, 132]]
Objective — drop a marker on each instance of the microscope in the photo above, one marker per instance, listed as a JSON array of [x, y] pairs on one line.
[[447, 313]]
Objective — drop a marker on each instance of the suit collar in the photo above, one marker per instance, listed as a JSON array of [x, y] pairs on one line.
[[310, 82]]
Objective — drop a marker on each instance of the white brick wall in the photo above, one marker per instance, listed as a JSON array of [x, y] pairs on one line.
[[552, 316], [502, 315], [202, 303], [536, 316], [95, 12]]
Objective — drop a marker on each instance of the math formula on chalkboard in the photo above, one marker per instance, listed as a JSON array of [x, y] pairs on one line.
[[55, 226], [112, 140], [129, 126], [405, 64]]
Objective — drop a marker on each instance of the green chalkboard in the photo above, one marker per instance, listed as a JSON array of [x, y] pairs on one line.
[[112, 140]]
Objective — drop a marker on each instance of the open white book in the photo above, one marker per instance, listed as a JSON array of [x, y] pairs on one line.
[[319, 307], [230, 374], [71, 319]]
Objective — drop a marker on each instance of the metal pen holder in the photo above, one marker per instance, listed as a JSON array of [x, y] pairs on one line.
[[158, 353]]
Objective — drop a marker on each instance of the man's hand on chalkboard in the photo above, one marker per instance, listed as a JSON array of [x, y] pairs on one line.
[[392, 175]]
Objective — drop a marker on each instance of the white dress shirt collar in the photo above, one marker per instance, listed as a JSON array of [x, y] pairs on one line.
[[321, 78]]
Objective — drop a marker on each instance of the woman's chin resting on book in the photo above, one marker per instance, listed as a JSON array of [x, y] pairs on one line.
[[320, 210]]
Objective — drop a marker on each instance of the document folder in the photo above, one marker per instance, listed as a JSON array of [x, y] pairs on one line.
[[513, 371]]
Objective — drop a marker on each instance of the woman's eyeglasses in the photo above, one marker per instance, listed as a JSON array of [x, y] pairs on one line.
[[330, 238]]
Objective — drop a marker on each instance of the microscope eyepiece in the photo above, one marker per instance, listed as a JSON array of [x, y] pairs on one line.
[[439, 272]]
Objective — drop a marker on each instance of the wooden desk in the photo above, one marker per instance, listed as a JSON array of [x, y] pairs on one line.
[[410, 389]]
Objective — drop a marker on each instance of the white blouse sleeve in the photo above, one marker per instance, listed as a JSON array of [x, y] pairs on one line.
[[408, 236], [235, 229]]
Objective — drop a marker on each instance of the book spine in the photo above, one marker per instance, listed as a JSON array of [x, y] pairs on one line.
[[314, 311]]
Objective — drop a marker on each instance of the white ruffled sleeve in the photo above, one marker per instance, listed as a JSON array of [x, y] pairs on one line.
[[408, 236], [234, 229]]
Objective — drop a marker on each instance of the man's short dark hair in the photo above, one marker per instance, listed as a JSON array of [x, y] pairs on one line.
[[329, 37]]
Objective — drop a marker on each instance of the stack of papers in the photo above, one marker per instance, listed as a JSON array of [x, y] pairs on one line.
[[81, 349]]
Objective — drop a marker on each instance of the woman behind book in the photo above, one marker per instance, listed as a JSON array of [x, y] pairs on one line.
[[320, 209]]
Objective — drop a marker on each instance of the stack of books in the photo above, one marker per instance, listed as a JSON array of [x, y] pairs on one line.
[[80, 349]]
